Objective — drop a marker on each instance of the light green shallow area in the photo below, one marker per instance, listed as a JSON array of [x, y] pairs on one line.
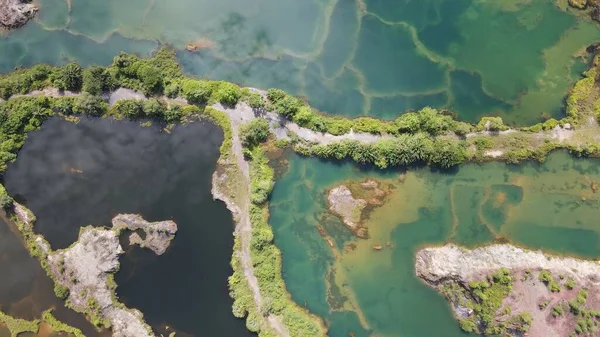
[[370, 292], [516, 59]]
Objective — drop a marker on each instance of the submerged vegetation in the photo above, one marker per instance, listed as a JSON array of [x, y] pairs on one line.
[[427, 136]]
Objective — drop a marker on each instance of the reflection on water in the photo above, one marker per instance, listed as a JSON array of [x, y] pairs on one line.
[[377, 57], [369, 286], [72, 175]]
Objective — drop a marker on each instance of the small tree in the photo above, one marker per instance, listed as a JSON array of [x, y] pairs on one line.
[[150, 78], [97, 80], [5, 199], [228, 94], [255, 132], [61, 291], [69, 77], [197, 92], [130, 108], [153, 108], [90, 105]]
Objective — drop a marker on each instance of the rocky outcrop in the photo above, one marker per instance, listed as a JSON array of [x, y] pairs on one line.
[[83, 273], [342, 203], [354, 201], [450, 261], [15, 13], [157, 235]]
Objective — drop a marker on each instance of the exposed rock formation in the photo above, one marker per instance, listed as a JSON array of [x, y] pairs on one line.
[[15, 13], [435, 264], [343, 204], [83, 273], [503, 289], [158, 235], [352, 202]]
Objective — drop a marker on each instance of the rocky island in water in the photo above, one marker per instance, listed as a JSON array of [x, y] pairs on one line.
[[16, 13]]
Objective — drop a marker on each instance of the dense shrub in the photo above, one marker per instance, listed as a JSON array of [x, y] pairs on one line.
[[491, 124], [172, 90], [196, 91], [129, 108], [97, 80], [90, 105], [69, 77], [173, 114], [153, 108], [6, 200], [425, 120], [228, 94], [64, 105], [61, 292], [255, 132]]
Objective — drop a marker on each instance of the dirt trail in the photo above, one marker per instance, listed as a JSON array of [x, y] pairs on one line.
[[241, 210]]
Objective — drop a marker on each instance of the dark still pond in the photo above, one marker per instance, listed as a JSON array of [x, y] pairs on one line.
[[71, 175]]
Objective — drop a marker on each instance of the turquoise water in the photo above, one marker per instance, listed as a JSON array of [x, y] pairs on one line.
[[351, 57], [376, 292]]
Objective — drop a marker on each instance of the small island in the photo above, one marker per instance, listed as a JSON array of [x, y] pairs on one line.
[[507, 290], [352, 202], [15, 13]]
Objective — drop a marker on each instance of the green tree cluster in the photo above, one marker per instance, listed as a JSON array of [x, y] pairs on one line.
[[254, 132], [403, 150]]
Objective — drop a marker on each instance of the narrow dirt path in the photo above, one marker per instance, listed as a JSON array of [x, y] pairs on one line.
[[243, 227]]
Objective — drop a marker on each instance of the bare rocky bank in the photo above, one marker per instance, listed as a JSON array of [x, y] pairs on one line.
[[15, 13], [84, 273], [514, 291], [451, 261]]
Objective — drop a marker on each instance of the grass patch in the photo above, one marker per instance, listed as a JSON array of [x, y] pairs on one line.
[[17, 326]]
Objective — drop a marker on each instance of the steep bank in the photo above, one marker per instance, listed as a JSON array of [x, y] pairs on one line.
[[502, 289]]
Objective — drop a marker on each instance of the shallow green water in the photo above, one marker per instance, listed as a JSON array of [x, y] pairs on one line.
[[351, 57], [538, 206]]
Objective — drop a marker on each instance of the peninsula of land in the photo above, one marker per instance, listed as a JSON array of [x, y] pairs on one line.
[[83, 274], [503, 289]]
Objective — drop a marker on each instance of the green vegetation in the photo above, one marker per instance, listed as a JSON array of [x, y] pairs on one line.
[[587, 319], [547, 278], [17, 326], [266, 257], [222, 120], [427, 120], [58, 326], [255, 132], [400, 151], [61, 291], [485, 298]]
